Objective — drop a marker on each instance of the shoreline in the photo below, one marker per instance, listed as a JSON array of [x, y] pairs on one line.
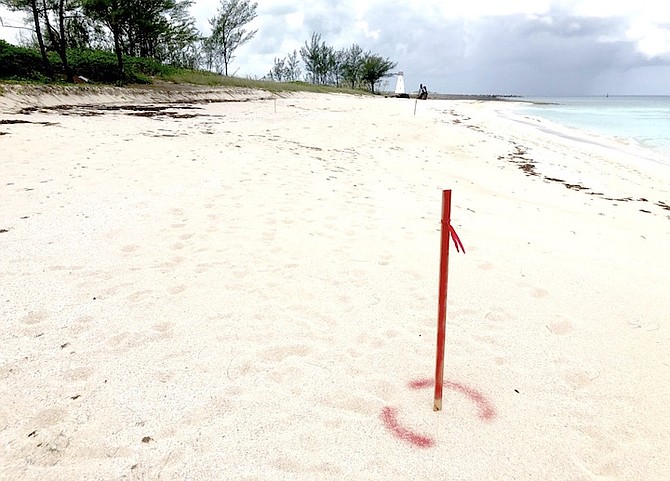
[[248, 289], [630, 145], [650, 141], [579, 143]]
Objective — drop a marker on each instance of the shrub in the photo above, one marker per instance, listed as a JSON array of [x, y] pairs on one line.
[[20, 63], [146, 66], [102, 66], [96, 65]]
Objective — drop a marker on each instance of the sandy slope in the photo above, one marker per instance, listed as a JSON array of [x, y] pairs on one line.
[[247, 290]]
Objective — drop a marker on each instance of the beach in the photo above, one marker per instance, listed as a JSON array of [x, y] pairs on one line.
[[240, 285]]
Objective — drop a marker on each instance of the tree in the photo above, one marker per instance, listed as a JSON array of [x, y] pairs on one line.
[[82, 32], [310, 56], [31, 7], [180, 53], [57, 35], [293, 67], [336, 74], [228, 32], [157, 28], [208, 53], [320, 60], [352, 64], [114, 14], [285, 69], [54, 16], [278, 73], [176, 44], [161, 29], [374, 67]]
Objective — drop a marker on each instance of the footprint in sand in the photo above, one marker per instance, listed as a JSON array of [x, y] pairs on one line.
[[78, 373], [536, 292], [498, 315], [49, 448], [177, 289], [539, 293], [281, 353], [35, 317], [48, 417], [139, 296], [560, 328], [163, 326], [578, 379]]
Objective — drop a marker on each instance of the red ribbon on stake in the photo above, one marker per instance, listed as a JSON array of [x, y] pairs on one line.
[[447, 230]]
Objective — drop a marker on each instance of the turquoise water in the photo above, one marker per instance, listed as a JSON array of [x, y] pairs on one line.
[[645, 120]]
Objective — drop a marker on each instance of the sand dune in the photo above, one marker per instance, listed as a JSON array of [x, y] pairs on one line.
[[247, 290]]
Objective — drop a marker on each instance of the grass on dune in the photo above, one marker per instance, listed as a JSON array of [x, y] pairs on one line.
[[199, 77]]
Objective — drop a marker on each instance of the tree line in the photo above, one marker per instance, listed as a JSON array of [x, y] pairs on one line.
[[352, 67], [164, 30]]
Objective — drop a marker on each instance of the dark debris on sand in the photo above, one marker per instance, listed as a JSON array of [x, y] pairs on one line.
[[127, 109], [528, 166]]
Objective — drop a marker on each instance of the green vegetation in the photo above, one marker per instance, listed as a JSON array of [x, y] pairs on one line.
[[327, 66], [142, 41], [228, 32], [100, 66], [373, 67], [144, 28], [201, 77], [20, 63]]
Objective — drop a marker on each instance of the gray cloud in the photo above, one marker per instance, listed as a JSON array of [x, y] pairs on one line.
[[332, 21], [276, 10], [565, 56], [555, 54], [558, 54]]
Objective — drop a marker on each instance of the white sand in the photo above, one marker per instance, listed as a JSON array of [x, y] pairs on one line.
[[245, 294]]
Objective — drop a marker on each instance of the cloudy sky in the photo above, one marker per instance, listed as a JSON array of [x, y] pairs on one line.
[[522, 47]]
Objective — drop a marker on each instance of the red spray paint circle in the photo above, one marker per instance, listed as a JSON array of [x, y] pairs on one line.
[[485, 411], [390, 420]]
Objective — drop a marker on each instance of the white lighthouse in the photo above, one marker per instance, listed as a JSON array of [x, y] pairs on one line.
[[400, 83]]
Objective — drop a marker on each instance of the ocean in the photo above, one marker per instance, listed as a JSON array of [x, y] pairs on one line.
[[644, 120]]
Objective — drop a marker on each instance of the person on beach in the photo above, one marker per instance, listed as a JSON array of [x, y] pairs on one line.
[[423, 92]]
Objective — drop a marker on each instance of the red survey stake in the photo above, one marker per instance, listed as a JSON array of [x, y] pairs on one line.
[[447, 231]]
